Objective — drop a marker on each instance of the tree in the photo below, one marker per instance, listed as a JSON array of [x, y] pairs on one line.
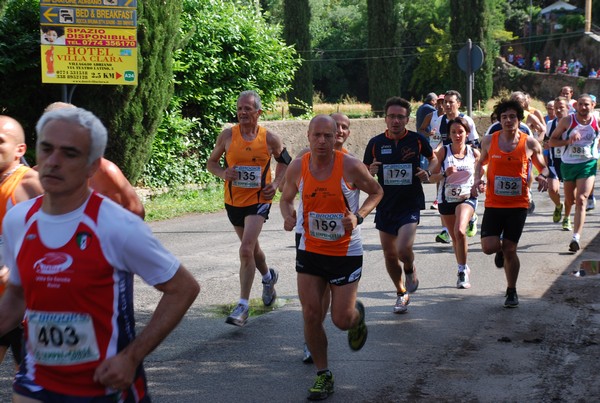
[[130, 113], [474, 19], [296, 32], [383, 65], [228, 48]]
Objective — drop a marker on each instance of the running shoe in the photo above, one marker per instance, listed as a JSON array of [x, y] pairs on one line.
[[269, 294], [434, 205], [512, 300], [472, 227], [463, 279], [574, 246], [443, 237], [307, 357], [411, 281], [499, 259], [567, 224], [322, 388], [357, 336], [557, 213], [402, 303], [531, 207], [239, 316], [591, 203]]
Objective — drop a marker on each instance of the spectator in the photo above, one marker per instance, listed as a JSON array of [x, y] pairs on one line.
[[547, 64], [593, 73]]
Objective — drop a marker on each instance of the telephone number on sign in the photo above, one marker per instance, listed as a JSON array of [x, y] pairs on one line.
[[101, 42]]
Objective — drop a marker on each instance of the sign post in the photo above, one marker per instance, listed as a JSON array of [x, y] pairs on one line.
[[88, 42], [470, 59]]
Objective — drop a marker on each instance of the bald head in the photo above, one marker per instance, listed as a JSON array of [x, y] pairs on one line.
[[58, 105], [12, 128], [322, 120]]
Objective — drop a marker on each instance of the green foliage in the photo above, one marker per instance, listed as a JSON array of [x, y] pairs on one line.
[[228, 48], [132, 114], [432, 70], [297, 33], [384, 77], [572, 22], [339, 36], [22, 96]]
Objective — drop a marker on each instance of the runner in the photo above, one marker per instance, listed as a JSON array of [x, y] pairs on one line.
[[330, 248], [394, 156], [455, 176], [578, 133], [506, 154]]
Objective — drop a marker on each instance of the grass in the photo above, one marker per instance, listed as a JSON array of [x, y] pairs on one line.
[[178, 202], [182, 201]]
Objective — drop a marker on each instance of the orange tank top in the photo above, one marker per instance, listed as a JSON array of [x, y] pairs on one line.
[[7, 190], [322, 207], [252, 162], [507, 174], [7, 199]]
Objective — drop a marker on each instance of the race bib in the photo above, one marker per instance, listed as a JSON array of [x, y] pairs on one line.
[[247, 177], [456, 192], [507, 186], [435, 139], [62, 338], [558, 151], [575, 151], [397, 174], [326, 226]]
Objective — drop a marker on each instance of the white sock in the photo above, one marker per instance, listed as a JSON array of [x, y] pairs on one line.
[[243, 302], [462, 267], [267, 277], [576, 237], [444, 229]]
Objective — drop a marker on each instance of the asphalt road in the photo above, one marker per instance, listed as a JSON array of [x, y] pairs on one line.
[[452, 345]]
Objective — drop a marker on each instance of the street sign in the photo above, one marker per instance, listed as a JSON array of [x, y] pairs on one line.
[[476, 58], [103, 17]]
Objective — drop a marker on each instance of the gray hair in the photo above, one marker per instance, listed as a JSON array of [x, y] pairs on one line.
[[83, 118], [430, 98], [252, 93]]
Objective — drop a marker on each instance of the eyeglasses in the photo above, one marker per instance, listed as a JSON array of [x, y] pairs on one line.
[[394, 117]]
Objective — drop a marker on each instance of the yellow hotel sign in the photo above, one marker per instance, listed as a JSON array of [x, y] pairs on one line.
[[89, 65], [88, 42]]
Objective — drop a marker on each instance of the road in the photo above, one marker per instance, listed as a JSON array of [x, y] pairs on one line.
[[452, 345]]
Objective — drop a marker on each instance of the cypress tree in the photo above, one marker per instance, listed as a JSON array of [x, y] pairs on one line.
[[383, 66], [296, 33], [133, 113], [473, 19]]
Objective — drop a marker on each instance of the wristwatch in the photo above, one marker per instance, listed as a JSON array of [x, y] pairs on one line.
[[359, 219], [428, 172]]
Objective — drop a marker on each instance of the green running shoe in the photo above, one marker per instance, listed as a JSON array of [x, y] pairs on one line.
[[322, 388], [557, 213], [472, 227], [567, 224], [357, 336]]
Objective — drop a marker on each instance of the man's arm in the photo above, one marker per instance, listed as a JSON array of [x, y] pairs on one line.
[[479, 182], [556, 139], [424, 128], [359, 175], [178, 295], [12, 308], [286, 203], [110, 182], [283, 159], [29, 187], [213, 164], [536, 126], [537, 158]]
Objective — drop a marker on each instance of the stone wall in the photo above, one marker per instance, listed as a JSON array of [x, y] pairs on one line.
[[293, 132]]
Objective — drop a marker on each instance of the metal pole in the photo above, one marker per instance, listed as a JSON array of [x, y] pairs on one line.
[[588, 16], [469, 79]]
